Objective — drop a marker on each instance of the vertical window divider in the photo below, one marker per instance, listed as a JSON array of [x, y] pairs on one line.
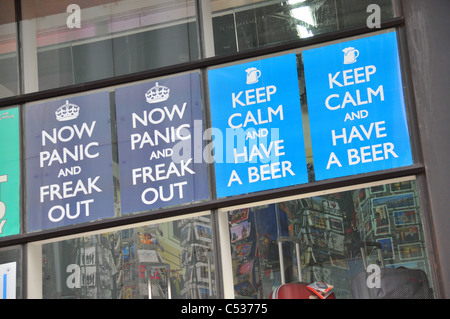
[[18, 17], [205, 29]]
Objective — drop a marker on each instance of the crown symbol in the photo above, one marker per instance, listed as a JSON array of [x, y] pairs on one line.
[[67, 112], [156, 94]]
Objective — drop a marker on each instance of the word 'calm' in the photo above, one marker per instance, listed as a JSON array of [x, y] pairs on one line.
[[348, 78]]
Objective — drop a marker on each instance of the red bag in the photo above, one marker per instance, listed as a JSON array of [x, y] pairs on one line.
[[295, 290]]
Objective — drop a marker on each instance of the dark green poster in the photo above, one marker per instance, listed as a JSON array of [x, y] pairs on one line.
[[9, 172]]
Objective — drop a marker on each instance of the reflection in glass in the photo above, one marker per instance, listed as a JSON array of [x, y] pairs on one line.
[[243, 25], [9, 84], [320, 239], [65, 45], [171, 260]]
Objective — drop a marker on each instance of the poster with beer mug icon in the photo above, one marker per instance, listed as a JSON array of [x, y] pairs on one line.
[[356, 107]]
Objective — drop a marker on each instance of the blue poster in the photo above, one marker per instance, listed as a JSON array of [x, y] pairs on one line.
[[69, 173], [160, 140], [356, 107], [257, 126]]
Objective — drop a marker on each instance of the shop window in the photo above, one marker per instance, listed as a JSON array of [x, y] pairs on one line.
[[144, 262], [319, 239]]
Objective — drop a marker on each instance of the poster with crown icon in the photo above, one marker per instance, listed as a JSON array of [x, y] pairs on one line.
[[160, 141], [68, 155]]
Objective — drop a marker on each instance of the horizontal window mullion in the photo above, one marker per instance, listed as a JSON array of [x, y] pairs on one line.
[[215, 204], [189, 66]]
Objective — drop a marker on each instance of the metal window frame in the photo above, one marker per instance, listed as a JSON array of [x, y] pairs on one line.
[[215, 205]]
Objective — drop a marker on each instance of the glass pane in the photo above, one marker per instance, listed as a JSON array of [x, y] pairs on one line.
[[170, 260], [243, 25], [10, 273], [331, 239], [67, 44], [9, 84]]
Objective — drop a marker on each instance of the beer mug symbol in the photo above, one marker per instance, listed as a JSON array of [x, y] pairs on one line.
[[253, 75], [350, 55]]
